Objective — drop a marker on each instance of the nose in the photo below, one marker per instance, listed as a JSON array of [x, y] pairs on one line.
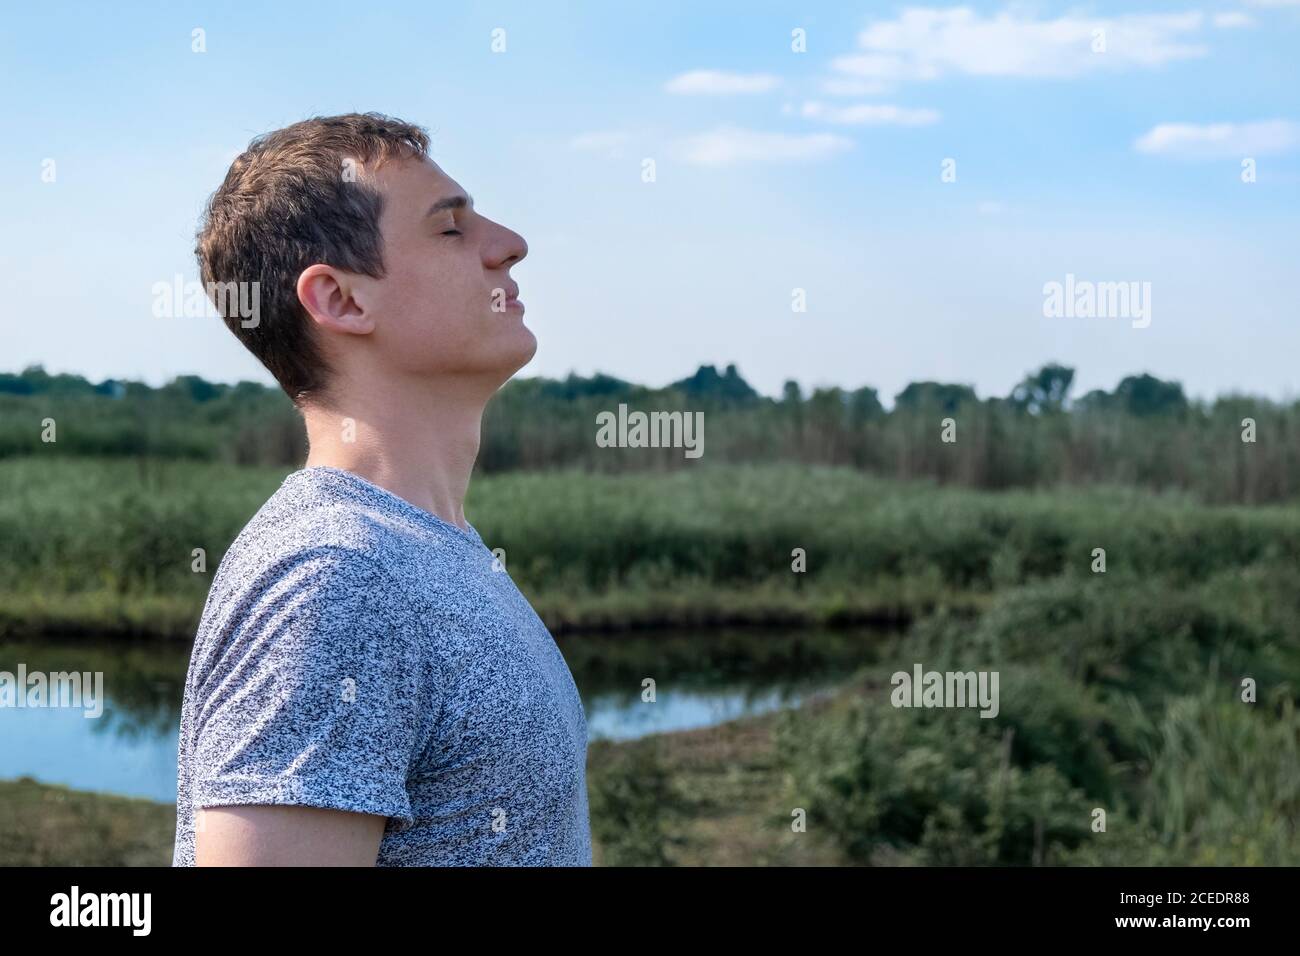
[[506, 248]]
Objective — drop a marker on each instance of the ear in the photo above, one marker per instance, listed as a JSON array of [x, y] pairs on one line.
[[330, 298]]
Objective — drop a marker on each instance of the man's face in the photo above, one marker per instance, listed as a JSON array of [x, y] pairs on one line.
[[446, 304]]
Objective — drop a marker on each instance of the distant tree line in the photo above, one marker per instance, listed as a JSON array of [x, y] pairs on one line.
[[1146, 432]]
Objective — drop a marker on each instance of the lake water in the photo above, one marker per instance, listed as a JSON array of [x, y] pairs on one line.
[[701, 679]]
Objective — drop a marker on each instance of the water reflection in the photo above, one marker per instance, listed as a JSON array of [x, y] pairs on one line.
[[699, 679]]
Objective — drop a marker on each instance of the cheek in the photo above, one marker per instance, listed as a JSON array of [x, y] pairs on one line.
[[445, 283], [412, 289]]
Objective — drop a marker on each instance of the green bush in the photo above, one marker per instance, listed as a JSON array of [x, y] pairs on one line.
[[930, 785], [635, 809]]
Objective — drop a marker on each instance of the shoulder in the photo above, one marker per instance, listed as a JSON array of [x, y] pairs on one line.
[[313, 586], [311, 580], [302, 517], [307, 532], [316, 616]]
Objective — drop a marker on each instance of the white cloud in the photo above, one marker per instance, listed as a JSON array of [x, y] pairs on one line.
[[870, 114], [853, 86], [1219, 140], [927, 43], [721, 83], [729, 145], [1233, 19], [877, 68]]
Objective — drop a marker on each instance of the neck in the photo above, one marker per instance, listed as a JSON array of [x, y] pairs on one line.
[[417, 441]]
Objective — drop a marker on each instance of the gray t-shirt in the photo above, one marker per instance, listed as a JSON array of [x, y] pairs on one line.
[[359, 653]]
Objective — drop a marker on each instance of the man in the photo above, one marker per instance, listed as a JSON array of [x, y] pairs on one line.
[[367, 686]]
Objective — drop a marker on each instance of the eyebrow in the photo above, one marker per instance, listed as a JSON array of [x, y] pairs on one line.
[[449, 202]]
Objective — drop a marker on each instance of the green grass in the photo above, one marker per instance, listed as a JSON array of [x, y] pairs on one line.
[[1120, 696], [44, 825], [107, 545], [705, 797], [1120, 691]]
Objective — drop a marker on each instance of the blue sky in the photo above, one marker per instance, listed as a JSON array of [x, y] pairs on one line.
[[1101, 140]]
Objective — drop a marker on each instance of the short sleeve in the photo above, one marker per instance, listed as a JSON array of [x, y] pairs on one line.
[[322, 695]]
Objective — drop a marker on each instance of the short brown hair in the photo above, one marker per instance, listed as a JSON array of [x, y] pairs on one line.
[[287, 202]]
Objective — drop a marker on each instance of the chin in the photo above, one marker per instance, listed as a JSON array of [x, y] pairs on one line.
[[526, 348], [509, 354]]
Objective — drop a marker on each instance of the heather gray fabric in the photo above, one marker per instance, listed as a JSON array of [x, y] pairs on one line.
[[360, 653]]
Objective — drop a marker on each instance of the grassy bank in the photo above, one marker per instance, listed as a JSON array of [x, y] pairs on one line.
[[107, 546], [1168, 715], [44, 825], [706, 797], [1124, 697], [1161, 693]]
